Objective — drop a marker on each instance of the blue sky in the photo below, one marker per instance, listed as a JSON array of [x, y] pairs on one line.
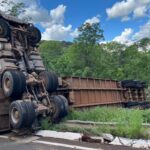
[[78, 11], [123, 21]]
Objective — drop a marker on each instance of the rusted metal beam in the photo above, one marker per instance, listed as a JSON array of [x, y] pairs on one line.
[[86, 92]]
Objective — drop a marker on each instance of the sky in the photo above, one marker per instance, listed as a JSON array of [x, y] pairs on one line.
[[124, 21]]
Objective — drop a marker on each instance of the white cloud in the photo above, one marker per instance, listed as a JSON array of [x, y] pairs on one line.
[[52, 21], [103, 42], [57, 32], [4, 6], [54, 25], [75, 33], [43, 16], [125, 37], [32, 9], [57, 14], [128, 37], [126, 18], [144, 32], [129, 8], [37, 13], [93, 20], [140, 11]]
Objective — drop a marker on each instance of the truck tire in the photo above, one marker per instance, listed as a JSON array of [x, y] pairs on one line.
[[66, 106], [4, 29], [34, 35], [31, 115], [50, 80], [58, 109], [13, 84], [17, 114]]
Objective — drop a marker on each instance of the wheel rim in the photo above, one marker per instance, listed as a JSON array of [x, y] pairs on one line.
[[7, 84], [15, 116]]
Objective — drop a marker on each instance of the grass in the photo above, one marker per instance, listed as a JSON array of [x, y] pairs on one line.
[[129, 121], [110, 114]]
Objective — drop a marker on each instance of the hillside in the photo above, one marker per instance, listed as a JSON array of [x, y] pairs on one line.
[[111, 60]]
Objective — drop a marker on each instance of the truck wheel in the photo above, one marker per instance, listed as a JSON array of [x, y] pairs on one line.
[[58, 108], [50, 80], [66, 106], [17, 114], [4, 29], [13, 84], [31, 115], [34, 35]]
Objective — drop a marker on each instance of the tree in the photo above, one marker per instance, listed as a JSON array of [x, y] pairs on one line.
[[14, 9], [51, 52], [17, 9], [144, 44], [89, 34], [85, 53], [109, 61]]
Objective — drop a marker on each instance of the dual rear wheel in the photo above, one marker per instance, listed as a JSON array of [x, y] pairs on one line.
[[21, 114], [60, 108], [13, 84], [50, 80], [59, 102]]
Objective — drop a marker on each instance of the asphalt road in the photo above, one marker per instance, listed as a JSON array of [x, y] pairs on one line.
[[4, 145], [54, 144]]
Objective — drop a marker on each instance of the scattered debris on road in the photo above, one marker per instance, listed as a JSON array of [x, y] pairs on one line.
[[90, 139]]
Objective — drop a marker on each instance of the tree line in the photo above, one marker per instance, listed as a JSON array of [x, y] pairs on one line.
[[85, 57]]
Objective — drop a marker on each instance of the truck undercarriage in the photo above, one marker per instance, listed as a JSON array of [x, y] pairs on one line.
[[24, 81]]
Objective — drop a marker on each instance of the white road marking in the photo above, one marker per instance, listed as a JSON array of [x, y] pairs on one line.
[[4, 137], [65, 145]]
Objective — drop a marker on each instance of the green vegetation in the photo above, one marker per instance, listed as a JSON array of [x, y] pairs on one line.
[[84, 57], [110, 114], [129, 122]]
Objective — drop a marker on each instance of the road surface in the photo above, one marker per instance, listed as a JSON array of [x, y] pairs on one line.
[[29, 143]]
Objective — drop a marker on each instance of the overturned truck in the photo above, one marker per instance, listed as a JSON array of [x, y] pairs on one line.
[[25, 86]]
